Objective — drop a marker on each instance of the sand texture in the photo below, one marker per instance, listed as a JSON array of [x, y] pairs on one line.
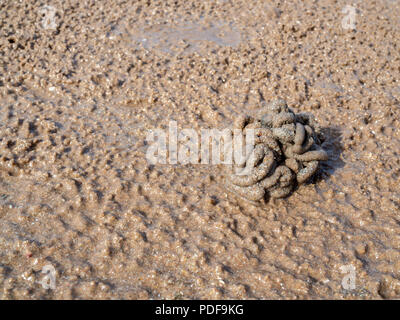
[[82, 83]]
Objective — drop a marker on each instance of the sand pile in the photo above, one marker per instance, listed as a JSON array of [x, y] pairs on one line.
[[287, 152], [83, 82]]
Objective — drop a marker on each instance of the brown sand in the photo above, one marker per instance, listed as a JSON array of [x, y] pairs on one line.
[[77, 193]]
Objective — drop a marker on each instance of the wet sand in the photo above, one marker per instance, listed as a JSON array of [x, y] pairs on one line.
[[76, 190]]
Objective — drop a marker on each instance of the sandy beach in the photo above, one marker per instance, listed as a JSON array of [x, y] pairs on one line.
[[82, 83]]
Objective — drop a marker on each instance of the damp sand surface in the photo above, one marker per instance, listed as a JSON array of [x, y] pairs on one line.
[[79, 93]]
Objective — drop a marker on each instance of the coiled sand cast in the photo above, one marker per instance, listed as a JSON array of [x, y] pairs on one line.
[[286, 153]]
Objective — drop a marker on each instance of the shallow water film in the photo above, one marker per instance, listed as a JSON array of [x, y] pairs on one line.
[[84, 215]]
